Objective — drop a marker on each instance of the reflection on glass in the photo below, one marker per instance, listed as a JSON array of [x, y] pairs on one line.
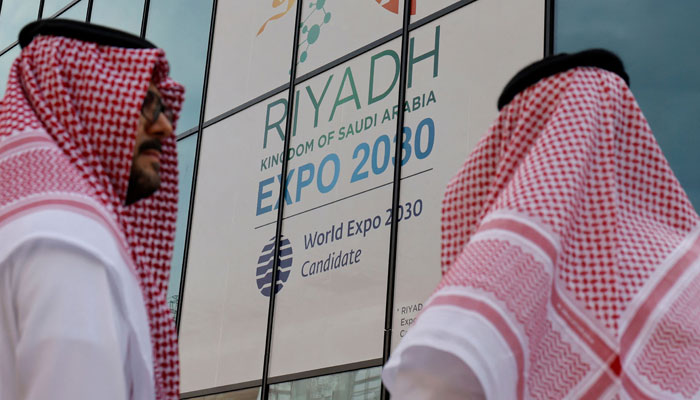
[[182, 28], [185, 160], [364, 384], [246, 394], [51, 7], [15, 14], [77, 12], [655, 43], [5, 65], [125, 15]]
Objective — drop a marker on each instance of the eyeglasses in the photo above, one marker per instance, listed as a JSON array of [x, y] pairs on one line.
[[152, 107]]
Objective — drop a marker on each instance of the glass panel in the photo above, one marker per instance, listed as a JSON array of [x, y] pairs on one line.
[[185, 159], [422, 9], [246, 394], [331, 308], [332, 28], [654, 44], [125, 15], [5, 64], [77, 12], [15, 14], [224, 314], [181, 27], [252, 52], [455, 80], [51, 7], [364, 384]]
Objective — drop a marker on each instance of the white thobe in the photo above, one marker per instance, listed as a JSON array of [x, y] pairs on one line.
[[73, 324]]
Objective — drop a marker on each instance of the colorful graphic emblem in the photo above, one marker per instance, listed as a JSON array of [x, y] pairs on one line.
[[310, 27], [276, 4], [393, 5], [266, 263], [317, 18]]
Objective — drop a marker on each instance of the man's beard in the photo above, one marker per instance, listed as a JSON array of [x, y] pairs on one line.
[[141, 183]]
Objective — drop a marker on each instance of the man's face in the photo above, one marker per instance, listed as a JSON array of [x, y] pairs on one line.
[[154, 126]]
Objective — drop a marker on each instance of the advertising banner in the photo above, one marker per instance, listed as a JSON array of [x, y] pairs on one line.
[[423, 8], [251, 53], [332, 281], [338, 200], [330, 29], [224, 314], [477, 49]]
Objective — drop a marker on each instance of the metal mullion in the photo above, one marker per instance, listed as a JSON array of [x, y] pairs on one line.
[[8, 48], [265, 388], [248, 104], [220, 390], [187, 133], [356, 366], [393, 238], [195, 167], [41, 9], [339, 61], [89, 11], [144, 18], [64, 9], [349, 56], [548, 28]]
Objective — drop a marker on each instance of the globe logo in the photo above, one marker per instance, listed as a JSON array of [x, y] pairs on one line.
[[266, 262]]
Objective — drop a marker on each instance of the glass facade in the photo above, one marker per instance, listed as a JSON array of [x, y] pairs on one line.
[[335, 121], [439, 132], [339, 137], [77, 11], [181, 28], [364, 384], [338, 119], [655, 43], [13, 16], [226, 297], [125, 14], [52, 7], [245, 394], [186, 148], [128, 15], [252, 48]]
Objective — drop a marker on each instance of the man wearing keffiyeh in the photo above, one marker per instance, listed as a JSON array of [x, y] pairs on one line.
[[88, 202], [570, 254]]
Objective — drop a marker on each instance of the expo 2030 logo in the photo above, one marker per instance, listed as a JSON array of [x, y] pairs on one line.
[[266, 262]]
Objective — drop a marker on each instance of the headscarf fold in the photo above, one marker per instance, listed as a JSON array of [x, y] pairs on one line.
[[68, 126], [567, 233]]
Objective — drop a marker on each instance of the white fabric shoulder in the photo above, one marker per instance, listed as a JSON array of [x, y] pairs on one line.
[[43, 253], [436, 360]]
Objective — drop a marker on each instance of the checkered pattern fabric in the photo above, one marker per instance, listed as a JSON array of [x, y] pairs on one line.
[[569, 221], [84, 100]]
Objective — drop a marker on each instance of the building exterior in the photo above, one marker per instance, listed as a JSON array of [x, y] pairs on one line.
[[358, 239]]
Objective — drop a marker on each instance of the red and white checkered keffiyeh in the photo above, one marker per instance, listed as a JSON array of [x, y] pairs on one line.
[[567, 236], [67, 131]]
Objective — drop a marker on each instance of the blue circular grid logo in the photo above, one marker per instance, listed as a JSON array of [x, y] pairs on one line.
[[266, 262]]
